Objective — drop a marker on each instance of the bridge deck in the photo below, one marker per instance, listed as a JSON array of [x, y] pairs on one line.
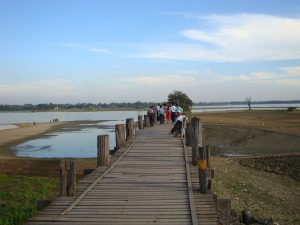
[[148, 184]]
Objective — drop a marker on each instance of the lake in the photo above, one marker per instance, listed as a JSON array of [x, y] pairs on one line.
[[80, 140], [75, 140]]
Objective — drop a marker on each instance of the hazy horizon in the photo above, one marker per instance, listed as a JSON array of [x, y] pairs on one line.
[[127, 51]]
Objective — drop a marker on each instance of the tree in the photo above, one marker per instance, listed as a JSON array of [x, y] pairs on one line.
[[248, 101], [181, 99]]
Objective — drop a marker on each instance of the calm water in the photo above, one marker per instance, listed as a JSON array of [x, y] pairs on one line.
[[80, 140], [9, 118]]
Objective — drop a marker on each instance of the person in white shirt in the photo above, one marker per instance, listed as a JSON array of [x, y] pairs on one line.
[[173, 113], [178, 124], [161, 114], [179, 110], [157, 111]]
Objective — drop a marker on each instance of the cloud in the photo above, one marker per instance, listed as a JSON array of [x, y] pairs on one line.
[[285, 77], [168, 80], [295, 71], [37, 91], [239, 37], [205, 85], [81, 46]]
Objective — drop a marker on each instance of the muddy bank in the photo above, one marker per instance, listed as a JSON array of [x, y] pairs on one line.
[[233, 140], [40, 167], [283, 165]]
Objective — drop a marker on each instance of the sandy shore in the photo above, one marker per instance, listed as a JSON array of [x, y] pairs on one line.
[[23, 133]]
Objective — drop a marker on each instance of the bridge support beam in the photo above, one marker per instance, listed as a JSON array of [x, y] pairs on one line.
[[103, 157]]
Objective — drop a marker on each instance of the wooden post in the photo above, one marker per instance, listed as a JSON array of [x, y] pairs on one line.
[[67, 177], [207, 153], [129, 128], [188, 134], [147, 121], [202, 169], [140, 121], [120, 135], [135, 128], [196, 137], [103, 157]]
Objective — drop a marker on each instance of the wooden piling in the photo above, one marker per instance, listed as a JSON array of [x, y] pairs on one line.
[[120, 135], [147, 121], [135, 128], [129, 128], [140, 122], [207, 154], [202, 169], [67, 177], [196, 137], [188, 135], [103, 157]]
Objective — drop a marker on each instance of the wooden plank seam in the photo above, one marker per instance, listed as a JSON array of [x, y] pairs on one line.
[[190, 188], [81, 196]]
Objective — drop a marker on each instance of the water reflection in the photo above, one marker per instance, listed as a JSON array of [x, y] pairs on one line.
[[74, 140], [7, 126]]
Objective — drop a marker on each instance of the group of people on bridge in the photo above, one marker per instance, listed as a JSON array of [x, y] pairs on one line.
[[167, 112]]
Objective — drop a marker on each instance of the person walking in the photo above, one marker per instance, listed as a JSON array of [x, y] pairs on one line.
[[161, 114], [173, 113], [150, 113], [168, 114], [157, 111]]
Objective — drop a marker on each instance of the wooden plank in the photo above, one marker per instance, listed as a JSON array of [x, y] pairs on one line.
[[94, 183], [190, 188], [149, 184]]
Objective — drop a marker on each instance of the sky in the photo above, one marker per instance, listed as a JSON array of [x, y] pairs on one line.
[[63, 51]]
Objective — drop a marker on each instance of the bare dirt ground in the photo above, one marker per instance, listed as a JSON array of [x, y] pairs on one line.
[[263, 176], [263, 193], [40, 167], [288, 165]]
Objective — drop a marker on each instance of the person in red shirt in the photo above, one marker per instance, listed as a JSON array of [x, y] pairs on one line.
[[168, 114]]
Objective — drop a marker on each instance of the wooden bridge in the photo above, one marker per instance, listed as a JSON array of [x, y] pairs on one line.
[[149, 182]]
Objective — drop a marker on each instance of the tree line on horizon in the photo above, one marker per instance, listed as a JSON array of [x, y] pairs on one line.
[[245, 102], [114, 105], [77, 106]]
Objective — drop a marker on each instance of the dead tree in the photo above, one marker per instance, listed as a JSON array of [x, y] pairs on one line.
[[248, 101]]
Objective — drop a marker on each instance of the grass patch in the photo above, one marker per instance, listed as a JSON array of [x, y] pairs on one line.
[[18, 196]]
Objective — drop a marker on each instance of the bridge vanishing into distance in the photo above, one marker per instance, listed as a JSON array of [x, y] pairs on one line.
[[150, 181]]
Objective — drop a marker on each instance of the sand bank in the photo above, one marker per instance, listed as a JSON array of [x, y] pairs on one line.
[[24, 132]]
